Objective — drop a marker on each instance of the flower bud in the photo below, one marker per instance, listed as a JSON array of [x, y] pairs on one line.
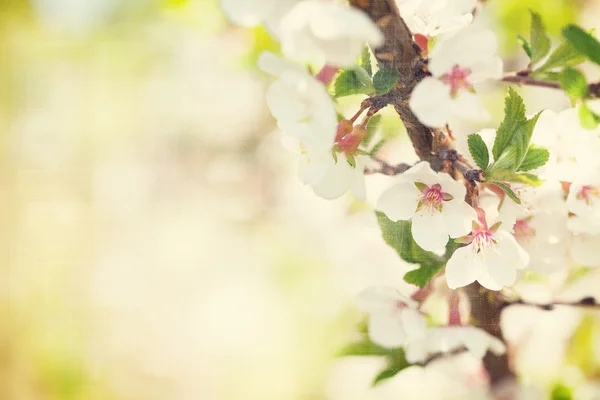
[[349, 143], [344, 128]]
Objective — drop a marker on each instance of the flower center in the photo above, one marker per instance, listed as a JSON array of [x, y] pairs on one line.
[[523, 230], [457, 79], [481, 241], [587, 193], [431, 198]]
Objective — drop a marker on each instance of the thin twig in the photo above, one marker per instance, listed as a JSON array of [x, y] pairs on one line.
[[523, 78], [586, 302]]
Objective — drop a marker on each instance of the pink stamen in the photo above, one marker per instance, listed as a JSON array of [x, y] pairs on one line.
[[457, 79], [587, 192], [482, 239], [523, 230], [431, 199]]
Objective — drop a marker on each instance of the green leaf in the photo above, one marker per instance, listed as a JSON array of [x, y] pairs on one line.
[[353, 81], [535, 158], [510, 176], [573, 83], [585, 43], [479, 151], [389, 372], [365, 348], [587, 118], [525, 45], [514, 116], [384, 80], [540, 43], [509, 192], [522, 137], [398, 235], [365, 60], [565, 55]]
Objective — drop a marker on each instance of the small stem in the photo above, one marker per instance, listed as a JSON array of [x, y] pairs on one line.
[[529, 81], [587, 302], [363, 106]]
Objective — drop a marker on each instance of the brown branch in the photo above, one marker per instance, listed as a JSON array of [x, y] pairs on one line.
[[386, 168], [401, 53], [587, 303], [523, 78], [529, 81], [485, 313]]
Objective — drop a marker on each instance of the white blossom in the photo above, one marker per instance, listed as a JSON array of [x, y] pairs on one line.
[[583, 202], [573, 149], [492, 258], [250, 13], [300, 103], [434, 202], [306, 114], [331, 179], [457, 65], [433, 17], [584, 250], [327, 33], [448, 338], [393, 318]]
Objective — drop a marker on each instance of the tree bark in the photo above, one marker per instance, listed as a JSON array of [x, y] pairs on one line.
[[401, 53]]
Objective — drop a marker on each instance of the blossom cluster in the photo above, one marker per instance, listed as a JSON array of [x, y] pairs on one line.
[[480, 236]]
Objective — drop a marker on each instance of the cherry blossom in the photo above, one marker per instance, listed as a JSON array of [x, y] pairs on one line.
[[573, 149], [306, 114], [251, 13], [584, 250], [584, 202], [327, 33], [457, 64], [331, 178], [491, 257], [393, 318], [433, 17], [448, 338], [300, 103], [434, 202]]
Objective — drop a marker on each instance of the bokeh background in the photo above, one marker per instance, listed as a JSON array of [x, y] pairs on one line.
[[154, 240]]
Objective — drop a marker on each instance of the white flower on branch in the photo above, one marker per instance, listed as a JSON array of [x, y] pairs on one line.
[[491, 257], [394, 319], [327, 33], [584, 202], [306, 114], [300, 103], [250, 13], [573, 149], [434, 202], [448, 338], [457, 65], [433, 17]]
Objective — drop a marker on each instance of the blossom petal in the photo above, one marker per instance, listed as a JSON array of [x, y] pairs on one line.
[[458, 217], [382, 299], [449, 185], [431, 102], [463, 268], [467, 105], [413, 322], [386, 330], [585, 250], [422, 172], [429, 231], [399, 202]]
